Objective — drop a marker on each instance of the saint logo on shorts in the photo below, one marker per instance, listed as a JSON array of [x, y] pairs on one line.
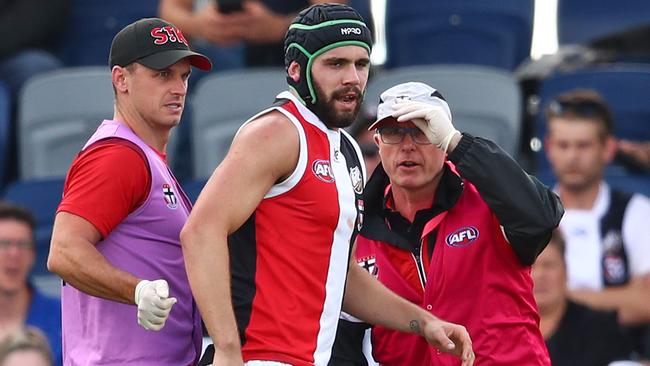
[[323, 170], [170, 196], [462, 237]]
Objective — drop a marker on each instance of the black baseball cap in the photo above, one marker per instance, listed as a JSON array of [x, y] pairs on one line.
[[154, 43]]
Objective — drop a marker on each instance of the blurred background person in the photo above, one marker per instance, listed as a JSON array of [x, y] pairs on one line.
[[25, 347], [258, 26], [574, 333], [20, 302], [606, 230]]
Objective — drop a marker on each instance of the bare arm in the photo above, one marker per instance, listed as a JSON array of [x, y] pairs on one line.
[[263, 152], [206, 23], [369, 300], [75, 259], [180, 13], [630, 301], [263, 25]]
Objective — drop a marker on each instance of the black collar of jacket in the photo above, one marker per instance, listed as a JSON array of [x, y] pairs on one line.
[[377, 213]]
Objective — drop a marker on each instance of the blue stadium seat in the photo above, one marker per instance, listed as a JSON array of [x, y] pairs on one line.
[[630, 182], [491, 33], [94, 23], [582, 21], [625, 87], [615, 177], [193, 188], [5, 128], [221, 103], [41, 197]]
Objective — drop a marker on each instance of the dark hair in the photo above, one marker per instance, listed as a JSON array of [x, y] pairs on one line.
[[11, 211], [584, 104]]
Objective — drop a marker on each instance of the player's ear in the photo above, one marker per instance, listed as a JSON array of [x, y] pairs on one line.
[[118, 77], [294, 71]]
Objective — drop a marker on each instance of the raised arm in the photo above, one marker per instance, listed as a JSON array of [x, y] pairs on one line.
[[263, 153], [526, 208]]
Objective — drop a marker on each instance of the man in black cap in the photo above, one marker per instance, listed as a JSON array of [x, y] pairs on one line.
[[267, 248], [116, 234]]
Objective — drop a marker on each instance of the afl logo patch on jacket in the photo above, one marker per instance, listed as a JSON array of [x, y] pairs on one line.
[[468, 247], [462, 237], [296, 247]]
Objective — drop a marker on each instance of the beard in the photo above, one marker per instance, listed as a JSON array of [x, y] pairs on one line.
[[325, 108], [578, 183]]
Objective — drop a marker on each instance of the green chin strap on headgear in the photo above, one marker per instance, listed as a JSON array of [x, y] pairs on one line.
[[317, 30]]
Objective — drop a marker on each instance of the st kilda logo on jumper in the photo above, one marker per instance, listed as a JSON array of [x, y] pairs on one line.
[[462, 237], [357, 179], [170, 196], [166, 34], [322, 169], [369, 263]]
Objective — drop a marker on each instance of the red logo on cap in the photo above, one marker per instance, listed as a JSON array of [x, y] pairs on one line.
[[166, 34]]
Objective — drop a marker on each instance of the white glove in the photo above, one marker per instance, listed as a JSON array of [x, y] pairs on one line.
[[433, 120], [154, 303]]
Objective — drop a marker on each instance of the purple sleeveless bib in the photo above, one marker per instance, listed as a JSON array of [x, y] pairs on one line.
[[146, 244]]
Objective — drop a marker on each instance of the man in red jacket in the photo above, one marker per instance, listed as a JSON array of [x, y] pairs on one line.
[[452, 224]]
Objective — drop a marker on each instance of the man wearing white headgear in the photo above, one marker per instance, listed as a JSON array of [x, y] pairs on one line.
[[451, 223]]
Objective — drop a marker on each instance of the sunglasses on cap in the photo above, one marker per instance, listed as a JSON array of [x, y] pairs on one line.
[[585, 108], [394, 135]]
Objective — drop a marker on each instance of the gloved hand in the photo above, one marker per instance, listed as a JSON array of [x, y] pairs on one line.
[[154, 303], [433, 120]]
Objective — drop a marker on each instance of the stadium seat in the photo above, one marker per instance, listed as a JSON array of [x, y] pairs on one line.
[[615, 177], [92, 26], [221, 103], [491, 33], [5, 130], [41, 197], [582, 21], [57, 112], [625, 88], [193, 188], [484, 101]]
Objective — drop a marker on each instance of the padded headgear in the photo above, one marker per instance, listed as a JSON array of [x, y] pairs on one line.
[[316, 30]]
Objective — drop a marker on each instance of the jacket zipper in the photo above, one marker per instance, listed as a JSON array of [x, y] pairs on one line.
[[417, 256]]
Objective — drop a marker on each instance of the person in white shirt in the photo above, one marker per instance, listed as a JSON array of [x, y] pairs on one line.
[[607, 231]]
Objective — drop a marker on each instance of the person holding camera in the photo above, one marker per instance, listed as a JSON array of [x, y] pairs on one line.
[[259, 25]]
